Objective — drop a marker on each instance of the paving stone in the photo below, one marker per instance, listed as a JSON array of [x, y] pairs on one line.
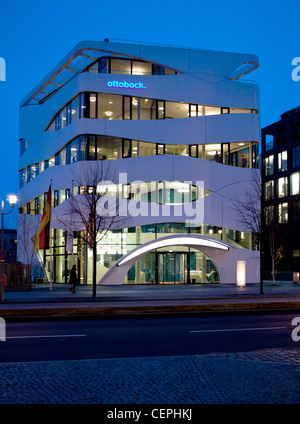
[[268, 376]]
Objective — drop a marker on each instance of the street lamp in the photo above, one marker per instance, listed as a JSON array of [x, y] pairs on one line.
[[12, 200]]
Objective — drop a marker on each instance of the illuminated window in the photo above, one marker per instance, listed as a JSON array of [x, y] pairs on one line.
[[282, 161], [295, 183], [282, 187], [283, 215]]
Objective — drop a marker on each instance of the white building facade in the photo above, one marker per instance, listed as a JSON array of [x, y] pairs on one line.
[[178, 129]]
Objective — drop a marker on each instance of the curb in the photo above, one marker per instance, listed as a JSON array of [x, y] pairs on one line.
[[150, 311]]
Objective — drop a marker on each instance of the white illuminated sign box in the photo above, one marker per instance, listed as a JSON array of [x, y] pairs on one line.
[[241, 273]]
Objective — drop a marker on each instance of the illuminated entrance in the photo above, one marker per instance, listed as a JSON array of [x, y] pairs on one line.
[[172, 268]]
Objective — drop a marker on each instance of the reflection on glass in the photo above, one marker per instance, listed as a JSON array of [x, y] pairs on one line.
[[109, 106]]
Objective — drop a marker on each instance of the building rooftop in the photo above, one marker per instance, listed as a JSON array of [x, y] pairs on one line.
[[208, 63]]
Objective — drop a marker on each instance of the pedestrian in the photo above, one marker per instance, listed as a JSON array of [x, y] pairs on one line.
[[244, 161], [73, 279]]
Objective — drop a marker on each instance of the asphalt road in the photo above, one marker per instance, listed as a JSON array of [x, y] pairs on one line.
[[144, 337]]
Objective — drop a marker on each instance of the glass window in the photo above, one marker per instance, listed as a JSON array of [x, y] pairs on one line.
[[92, 105], [63, 114], [239, 154], [175, 110], [269, 141], [225, 153], [283, 213], [269, 190], [193, 111], [173, 149], [120, 66], [211, 110], [92, 153], [158, 70], [56, 198], [255, 155], [35, 170], [60, 158], [141, 68], [225, 110], [74, 150], [296, 157], [194, 151], [239, 110], [160, 149], [109, 148], [269, 214], [160, 109], [126, 107], [75, 109], [295, 183], [103, 65], [140, 148], [296, 218], [282, 161], [282, 187], [51, 162], [201, 110], [269, 165], [109, 106], [83, 147], [22, 178], [143, 108], [213, 152], [126, 148]]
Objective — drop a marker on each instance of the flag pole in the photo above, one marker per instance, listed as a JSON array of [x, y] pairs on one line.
[[50, 237], [72, 222]]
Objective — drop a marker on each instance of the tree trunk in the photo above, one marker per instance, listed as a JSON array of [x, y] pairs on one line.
[[94, 269], [273, 271]]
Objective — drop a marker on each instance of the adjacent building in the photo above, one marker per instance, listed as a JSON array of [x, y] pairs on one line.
[[281, 188], [179, 128]]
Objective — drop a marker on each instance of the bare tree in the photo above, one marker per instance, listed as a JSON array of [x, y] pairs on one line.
[[272, 220], [262, 223], [247, 210], [92, 212]]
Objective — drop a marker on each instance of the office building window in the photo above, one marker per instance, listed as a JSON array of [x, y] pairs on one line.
[[296, 157], [282, 187], [269, 190], [269, 165], [283, 215], [282, 161], [295, 183], [269, 214]]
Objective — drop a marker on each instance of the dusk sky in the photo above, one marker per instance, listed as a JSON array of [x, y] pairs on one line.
[[35, 35]]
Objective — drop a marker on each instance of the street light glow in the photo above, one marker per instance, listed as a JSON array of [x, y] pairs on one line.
[[12, 199]]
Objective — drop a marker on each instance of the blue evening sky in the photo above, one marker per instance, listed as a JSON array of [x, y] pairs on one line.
[[35, 35]]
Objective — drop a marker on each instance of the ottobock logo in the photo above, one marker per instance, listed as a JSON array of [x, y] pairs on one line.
[[125, 84], [2, 69]]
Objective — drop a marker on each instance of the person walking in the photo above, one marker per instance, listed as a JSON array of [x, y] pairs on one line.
[[73, 279]]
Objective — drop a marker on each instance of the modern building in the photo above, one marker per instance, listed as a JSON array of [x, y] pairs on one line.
[[281, 187], [178, 127]]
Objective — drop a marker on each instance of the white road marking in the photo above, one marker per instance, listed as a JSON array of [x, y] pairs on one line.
[[237, 329], [46, 336]]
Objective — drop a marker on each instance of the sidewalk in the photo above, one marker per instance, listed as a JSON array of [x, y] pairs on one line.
[[120, 300]]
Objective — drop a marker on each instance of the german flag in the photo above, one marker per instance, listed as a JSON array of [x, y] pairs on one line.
[[42, 236]]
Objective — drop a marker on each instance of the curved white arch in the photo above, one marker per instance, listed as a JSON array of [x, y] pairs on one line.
[[212, 247], [172, 241]]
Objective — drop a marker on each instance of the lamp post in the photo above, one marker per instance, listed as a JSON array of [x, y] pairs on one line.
[[12, 200]]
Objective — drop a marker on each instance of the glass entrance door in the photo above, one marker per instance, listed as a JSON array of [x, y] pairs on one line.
[[172, 268]]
